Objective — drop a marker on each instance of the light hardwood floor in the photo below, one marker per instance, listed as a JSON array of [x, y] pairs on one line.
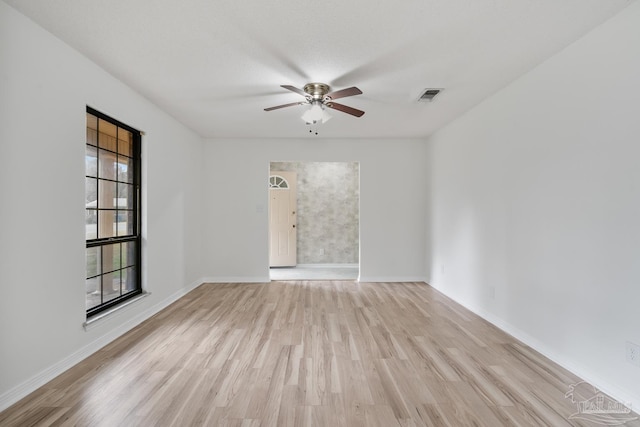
[[309, 353]]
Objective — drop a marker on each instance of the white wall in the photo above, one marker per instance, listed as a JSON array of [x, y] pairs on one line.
[[535, 199], [44, 89], [392, 204]]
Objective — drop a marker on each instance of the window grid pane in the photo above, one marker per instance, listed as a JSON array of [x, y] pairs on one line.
[[91, 224], [94, 296], [91, 161]]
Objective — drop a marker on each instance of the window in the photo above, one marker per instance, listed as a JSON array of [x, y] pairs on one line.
[[276, 181], [112, 188]]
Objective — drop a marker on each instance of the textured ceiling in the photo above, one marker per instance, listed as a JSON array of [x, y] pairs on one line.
[[215, 65]]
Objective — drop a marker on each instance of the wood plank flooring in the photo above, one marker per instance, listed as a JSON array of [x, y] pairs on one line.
[[312, 353]]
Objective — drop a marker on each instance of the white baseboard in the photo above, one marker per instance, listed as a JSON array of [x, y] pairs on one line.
[[626, 398], [21, 390]]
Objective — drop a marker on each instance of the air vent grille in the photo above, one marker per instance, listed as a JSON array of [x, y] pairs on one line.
[[429, 94]]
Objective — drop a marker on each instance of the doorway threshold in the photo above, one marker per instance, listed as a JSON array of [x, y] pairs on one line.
[[315, 272]]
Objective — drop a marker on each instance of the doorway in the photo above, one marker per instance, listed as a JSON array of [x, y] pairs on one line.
[[327, 221]]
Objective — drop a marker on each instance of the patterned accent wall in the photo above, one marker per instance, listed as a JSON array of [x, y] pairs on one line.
[[328, 211]]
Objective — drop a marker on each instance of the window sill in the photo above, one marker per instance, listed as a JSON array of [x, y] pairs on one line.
[[90, 323]]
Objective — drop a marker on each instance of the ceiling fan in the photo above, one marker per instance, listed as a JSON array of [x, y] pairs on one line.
[[318, 95]]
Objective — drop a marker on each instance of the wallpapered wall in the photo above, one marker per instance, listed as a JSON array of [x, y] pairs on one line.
[[328, 210]]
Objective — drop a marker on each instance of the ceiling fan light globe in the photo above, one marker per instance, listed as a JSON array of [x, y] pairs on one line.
[[325, 116], [307, 117], [313, 114]]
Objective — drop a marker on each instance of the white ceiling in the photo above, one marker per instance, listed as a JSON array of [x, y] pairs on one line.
[[216, 64]]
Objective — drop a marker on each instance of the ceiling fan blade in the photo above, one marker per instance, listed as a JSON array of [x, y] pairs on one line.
[[283, 106], [345, 109], [294, 89], [350, 91]]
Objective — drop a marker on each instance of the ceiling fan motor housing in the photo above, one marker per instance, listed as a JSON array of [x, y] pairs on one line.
[[316, 91]]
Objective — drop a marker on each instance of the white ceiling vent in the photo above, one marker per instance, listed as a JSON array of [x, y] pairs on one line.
[[429, 94]]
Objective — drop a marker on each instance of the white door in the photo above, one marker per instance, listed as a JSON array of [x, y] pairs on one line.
[[282, 219]]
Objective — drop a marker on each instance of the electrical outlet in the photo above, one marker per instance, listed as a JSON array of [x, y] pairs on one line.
[[633, 353]]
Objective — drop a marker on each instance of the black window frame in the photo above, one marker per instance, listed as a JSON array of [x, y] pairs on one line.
[[135, 237]]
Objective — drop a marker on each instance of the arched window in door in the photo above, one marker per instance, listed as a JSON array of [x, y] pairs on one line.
[[276, 181]]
